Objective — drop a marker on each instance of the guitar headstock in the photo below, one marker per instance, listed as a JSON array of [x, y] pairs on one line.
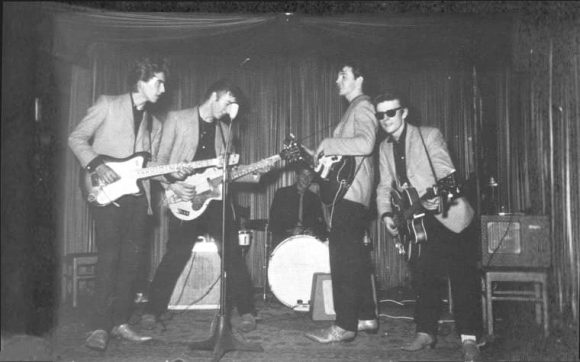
[[293, 151]]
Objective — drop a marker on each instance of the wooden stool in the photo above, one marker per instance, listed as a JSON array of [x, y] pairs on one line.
[[539, 294], [78, 267]]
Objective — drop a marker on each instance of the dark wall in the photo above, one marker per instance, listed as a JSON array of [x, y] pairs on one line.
[[28, 247]]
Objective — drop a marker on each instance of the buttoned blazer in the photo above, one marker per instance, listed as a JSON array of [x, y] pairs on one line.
[[420, 175]]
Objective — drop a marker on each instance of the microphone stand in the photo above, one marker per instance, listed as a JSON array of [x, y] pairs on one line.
[[222, 340]]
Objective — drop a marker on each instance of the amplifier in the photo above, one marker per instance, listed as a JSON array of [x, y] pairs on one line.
[[515, 241], [198, 286]]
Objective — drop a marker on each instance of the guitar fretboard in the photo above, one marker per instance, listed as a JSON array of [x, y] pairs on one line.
[[255, 166], [165, 169]]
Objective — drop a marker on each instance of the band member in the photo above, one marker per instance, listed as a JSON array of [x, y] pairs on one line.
[[418, 157], [350, 263], [119, 126], [297, 210], [195, 134]]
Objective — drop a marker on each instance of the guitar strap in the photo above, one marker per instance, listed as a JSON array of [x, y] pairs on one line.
[[441, 207], [428, 156]]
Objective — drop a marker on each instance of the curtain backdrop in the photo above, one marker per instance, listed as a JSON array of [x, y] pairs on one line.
[[285, 95], [514, 119]]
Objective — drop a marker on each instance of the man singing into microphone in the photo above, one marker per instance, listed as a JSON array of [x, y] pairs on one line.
[[191, 135]]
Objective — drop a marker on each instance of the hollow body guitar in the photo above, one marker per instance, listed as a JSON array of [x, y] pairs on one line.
[[335, 175], [130, 170], [208, 184], [408, 214]]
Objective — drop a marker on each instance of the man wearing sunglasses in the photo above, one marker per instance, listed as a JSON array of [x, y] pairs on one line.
[[417, 157], [350, 262]]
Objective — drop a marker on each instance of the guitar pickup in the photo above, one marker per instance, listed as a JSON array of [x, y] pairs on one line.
[[183, 212]]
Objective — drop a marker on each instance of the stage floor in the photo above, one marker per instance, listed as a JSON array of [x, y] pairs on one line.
[[280, 332]]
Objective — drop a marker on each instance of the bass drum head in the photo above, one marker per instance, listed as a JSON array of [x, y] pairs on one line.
[[292, 265]]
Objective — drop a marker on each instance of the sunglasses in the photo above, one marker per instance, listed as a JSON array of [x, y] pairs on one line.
[[390, 113]]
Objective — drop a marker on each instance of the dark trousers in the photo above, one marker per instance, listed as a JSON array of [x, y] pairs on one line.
[[182, 237], [120, 239], [448, 254], [350, 266]]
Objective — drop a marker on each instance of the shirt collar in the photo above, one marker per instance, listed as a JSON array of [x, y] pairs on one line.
[[391, 138]]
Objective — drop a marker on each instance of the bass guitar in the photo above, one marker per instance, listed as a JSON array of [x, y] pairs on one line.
[[208, 183], [131, 170], [408, 214]]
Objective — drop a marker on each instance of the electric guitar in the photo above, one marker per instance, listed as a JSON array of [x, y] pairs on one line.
[[208, 183], [408, 214], [335, 175], [131, 170]]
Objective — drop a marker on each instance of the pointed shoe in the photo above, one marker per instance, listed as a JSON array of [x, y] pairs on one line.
[[421, 341], [471, 351], [370, 326], [97, 340], [331, 334], [125, 332], [248, 323]]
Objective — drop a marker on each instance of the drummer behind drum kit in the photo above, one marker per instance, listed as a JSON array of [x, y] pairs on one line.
[[291, 266]]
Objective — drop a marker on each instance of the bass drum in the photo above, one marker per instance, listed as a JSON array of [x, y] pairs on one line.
[[292, 265]]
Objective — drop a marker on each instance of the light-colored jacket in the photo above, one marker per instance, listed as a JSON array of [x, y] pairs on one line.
[[355, 135], [181, 138], [420, 175], [108, 129]]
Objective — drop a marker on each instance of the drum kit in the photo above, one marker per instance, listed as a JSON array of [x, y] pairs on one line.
[[290, 267]]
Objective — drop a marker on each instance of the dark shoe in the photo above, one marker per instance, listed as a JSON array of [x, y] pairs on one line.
[[471, 351], [332, 334], [421, 341], [125, 332], [148, 321], [98, 340], [370, 326], [248, 323]]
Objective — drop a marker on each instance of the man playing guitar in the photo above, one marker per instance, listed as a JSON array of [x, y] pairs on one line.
[[417, 158]]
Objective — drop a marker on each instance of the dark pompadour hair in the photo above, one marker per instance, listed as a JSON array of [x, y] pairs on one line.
[[391, 95], [144, 68]]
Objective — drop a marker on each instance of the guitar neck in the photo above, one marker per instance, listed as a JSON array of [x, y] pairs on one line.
[[165, 169], [255, 166]]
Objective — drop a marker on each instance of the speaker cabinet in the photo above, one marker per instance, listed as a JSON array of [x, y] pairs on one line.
[[322, 304], [198, 286], [521, 241]]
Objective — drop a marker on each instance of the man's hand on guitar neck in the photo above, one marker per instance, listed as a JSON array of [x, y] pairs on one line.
[[181, 174]]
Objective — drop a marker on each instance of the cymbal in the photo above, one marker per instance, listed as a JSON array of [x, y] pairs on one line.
[[257, 224]]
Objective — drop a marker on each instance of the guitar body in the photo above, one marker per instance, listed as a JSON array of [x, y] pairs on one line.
[[102, 194], [208, 183], [335, 175], [409, 220], [408, 213], [207, 186]]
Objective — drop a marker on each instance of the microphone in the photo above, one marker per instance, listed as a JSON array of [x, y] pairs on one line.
[[245, 61], [233, 110]]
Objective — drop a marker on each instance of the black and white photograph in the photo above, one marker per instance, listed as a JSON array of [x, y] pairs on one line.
[[290, 181]]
